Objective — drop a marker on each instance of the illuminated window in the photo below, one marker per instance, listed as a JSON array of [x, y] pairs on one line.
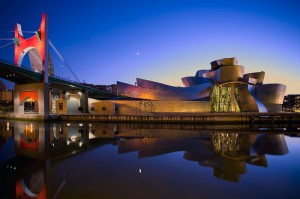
[[31, 106]]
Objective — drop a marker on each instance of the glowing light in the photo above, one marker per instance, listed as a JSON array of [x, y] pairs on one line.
[[68, 124], [80, 124], [91, 136], [140, 170], [30, 100], [73, 138]]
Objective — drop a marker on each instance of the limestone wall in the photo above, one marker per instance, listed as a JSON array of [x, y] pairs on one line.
[[133, 107]]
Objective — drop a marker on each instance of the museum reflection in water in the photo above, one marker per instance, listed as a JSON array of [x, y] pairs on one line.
[[31, 150]]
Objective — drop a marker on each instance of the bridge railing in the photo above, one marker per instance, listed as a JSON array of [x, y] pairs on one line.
[[65, 79], [32, 70]]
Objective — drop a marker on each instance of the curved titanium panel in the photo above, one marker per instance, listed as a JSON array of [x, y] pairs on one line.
[[271, 95], [258, 75], [153, 85], [200, 73], [260, 105], [223, 62], [173, 93], [194, 81], [213, 75], [231, 73], [247, 102]]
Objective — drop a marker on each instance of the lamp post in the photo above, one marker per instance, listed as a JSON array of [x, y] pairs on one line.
[[62, 71]]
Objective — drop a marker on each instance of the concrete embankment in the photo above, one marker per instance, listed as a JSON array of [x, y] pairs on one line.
[[203, 118]]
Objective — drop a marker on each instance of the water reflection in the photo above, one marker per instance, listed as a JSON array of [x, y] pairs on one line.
[[31, 152], [226, 153]]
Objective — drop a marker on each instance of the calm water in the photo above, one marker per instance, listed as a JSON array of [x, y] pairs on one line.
[[105, 160]]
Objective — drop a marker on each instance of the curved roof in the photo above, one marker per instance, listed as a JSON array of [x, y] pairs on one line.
[[259, 76], [223, 62], [193, 81], [166, 93]]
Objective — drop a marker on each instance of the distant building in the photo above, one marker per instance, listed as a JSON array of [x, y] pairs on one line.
[[2, 86], [6, 96], [6, 101], [291, 103]]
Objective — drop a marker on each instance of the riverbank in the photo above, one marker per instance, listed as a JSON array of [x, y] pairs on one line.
[[200, 118]]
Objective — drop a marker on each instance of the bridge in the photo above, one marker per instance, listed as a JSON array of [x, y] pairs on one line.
[[37, 89], [21, 75]]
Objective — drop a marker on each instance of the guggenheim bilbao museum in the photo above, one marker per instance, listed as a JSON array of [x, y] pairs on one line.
[[223, 88]]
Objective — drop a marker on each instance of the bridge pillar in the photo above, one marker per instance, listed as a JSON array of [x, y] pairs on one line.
[[39, 42], [30, 99], [84, 101]]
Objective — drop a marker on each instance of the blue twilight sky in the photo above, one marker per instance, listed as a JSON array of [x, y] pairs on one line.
[[163, 40]]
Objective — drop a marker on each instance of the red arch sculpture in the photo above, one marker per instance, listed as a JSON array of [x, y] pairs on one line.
[[39, 41]]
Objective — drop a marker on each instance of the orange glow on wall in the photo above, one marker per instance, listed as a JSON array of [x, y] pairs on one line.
[[29, 94]]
